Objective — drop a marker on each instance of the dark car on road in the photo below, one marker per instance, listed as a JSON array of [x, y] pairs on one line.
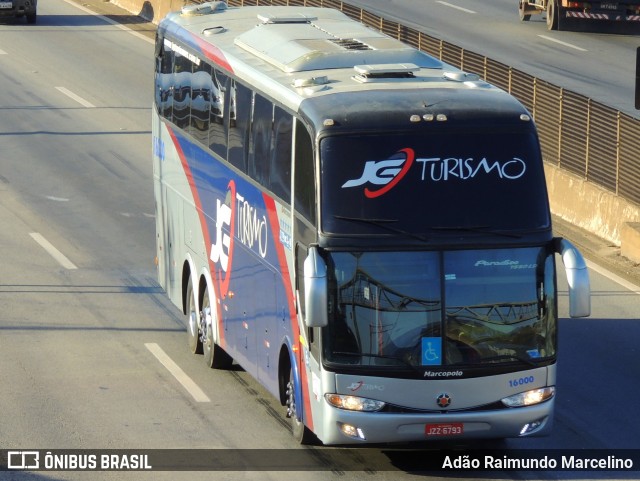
[[19, 9]]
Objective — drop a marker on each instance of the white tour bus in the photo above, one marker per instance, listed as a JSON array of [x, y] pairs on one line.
[[364, 229]]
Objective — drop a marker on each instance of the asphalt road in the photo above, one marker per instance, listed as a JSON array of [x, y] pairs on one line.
[[594, 62], [88, 342]]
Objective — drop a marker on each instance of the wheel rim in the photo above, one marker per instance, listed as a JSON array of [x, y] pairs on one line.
[[291, 401], [207, 331], [551, 14], [212, 355], [193, 324], [522, 12], [300, 432], [207, 328], [193, 329]]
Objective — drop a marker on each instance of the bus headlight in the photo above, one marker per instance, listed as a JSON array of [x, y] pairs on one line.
[[354, 403], [529, 398]]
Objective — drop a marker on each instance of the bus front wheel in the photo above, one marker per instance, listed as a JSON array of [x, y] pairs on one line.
[[300, 432]]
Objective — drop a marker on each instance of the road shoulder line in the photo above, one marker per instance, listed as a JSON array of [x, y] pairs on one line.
[[186, 382]]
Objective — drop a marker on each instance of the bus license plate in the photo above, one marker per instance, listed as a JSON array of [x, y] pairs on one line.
[[6, 4], [444, 429]]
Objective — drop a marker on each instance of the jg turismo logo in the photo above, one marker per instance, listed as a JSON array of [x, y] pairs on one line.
[[386, 173]]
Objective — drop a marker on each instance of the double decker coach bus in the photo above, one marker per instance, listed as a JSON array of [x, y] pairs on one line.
[[359, 226]]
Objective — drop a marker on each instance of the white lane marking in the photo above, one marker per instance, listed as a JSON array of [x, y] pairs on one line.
[[456, 7], [53, 252], [2, 52], [77, 98], [188, 383], [132, 215], [56, 199], [112, 22], [615, 278], [570, 45]]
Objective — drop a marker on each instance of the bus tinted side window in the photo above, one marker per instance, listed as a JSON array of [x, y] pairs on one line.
[[240, 99], [260, 145], [164, 81], [219, 105], [181, 91], [201, 87], [280, 166], [305, 186]]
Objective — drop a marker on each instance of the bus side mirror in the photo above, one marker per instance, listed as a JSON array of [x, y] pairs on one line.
[[315, 289], [577, 278]]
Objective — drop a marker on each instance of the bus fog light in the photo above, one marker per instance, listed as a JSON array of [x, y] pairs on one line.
[[532, 426], [529, 398], [353, 403], [352, 431]]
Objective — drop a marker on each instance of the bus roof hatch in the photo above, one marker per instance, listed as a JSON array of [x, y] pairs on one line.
[[367, 73]]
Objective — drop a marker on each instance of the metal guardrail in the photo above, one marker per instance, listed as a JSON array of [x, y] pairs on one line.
[[594, 142]]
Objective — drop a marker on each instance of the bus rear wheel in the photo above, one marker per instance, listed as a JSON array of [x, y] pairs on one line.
[[193, 328], [214, 356]]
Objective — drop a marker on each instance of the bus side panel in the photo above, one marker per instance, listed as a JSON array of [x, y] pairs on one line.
[[268, 322], [294, 333], [247, 259], [160, 213], [170, 187]]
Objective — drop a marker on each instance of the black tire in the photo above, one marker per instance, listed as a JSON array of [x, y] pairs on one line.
[[300, 432], [194, 332], [524, 17], [214, 356], [31, 18], [553, 19]]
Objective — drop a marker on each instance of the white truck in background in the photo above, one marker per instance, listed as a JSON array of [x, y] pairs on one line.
[[559, 12]]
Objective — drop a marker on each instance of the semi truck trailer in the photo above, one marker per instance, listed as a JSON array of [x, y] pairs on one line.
[[560, 12]]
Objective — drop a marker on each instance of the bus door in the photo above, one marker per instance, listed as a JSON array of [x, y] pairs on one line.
[[304, 234]]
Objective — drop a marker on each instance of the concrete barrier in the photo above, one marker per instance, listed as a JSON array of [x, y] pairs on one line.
[[631, 241], [150, 10], [592, 208]]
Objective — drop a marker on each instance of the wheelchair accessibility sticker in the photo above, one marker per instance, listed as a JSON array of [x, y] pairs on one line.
[[431, 351]]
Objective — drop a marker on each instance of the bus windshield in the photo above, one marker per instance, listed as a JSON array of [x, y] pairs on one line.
[[441, 309], [421, 183]]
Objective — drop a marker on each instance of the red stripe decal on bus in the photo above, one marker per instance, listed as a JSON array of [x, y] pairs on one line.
[[284, 270], [203, 226], [214, 54]]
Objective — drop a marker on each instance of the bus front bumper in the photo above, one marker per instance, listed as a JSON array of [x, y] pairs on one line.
[[348, 427]]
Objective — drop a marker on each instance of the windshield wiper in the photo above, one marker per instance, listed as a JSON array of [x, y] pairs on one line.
[[376, 356], [531, 362], [482, 229], [383, 224]]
